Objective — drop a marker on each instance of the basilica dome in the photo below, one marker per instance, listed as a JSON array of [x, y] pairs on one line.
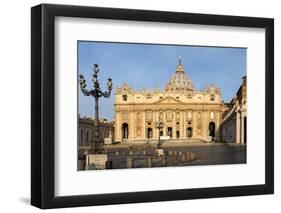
[[179, 81]]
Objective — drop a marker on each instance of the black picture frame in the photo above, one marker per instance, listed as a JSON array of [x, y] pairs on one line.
[[43, 105]]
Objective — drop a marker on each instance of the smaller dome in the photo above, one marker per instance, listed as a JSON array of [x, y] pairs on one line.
[[124, 89], [212, 89]]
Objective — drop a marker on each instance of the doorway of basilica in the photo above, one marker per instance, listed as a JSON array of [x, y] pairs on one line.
[[125, 131], [189, 132], [170, 132], [212, 128]]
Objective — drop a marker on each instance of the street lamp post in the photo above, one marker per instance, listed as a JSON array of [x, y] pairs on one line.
[[97, 146], [159, 125]]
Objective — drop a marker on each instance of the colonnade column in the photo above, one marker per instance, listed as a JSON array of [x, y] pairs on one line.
[[242, 126], [238, 127]]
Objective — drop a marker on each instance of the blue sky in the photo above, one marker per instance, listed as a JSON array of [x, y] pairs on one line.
[[150, 66]]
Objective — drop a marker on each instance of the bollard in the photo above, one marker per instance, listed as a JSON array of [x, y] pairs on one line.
[[87, 162], [130, 162], [179, 158], [164, 160], [187, 155], [149, 162], [81, 164], [108, 164], [183, 158], [143, 153], [174, 159], [193, 156]]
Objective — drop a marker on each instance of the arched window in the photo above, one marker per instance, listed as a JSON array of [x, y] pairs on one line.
[[178, 134], [149, 133], [125, 97], [170, 131]]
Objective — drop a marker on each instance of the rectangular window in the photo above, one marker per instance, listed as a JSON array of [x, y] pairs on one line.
[[212, 115], [149, 115], [189, 115], [199, 115], [169, 115], [125, 116]]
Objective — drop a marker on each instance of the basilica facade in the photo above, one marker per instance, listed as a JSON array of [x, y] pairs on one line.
[[187, 114]]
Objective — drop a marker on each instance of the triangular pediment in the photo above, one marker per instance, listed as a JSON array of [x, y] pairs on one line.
[[169, 100]]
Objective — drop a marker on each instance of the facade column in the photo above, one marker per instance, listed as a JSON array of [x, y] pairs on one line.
[[194, 124], [242, 130], [174, 125], [157, 120], [242, 126], [205, 122], [164, 120], [217, 119], [181, 125], [184, 124], [118, 127], [143, 126], [154, 130], [132, 124]]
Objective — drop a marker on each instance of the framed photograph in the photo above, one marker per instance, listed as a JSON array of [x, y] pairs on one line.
[[136, 106]]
